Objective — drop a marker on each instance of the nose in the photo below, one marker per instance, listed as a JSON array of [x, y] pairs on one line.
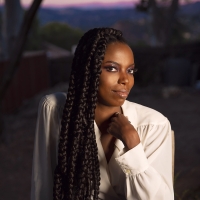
[[123, 78]]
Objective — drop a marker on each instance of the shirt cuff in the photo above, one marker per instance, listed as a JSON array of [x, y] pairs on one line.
[[133, 161]]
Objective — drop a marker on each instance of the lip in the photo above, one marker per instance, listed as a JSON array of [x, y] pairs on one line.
[[123, 93]]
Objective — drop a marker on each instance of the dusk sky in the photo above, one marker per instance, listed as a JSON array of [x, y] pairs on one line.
[[85, 3], [77, 3], [60, 3]]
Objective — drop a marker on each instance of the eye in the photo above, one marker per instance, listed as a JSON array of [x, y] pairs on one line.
[[132, 70], [111, 69]]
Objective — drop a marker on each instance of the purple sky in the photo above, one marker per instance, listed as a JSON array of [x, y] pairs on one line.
[[61, 3], [86, 3]]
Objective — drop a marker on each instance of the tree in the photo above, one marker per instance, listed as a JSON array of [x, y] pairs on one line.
[[12, 18], [34, 41], [162, 15], [16, 52], [60, 34]]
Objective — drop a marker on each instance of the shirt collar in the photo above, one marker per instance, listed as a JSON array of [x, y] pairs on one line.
[[119, 144], [130, 113], [97, 131]]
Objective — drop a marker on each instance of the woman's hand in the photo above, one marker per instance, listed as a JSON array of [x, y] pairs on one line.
[[122, 129]]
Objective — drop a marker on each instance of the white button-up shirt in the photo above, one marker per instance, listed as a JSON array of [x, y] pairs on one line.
[[142, 173]]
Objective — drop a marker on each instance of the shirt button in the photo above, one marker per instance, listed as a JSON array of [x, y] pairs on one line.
[[127, 171]]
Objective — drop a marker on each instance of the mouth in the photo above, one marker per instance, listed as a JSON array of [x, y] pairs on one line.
[[122, 93]]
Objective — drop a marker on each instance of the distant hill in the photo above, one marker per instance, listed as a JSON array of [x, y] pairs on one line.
[[191, 9], [86, 19]]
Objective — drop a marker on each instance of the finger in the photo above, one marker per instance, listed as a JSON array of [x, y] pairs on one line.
[[128, 120], [112, 119], [109, 129], [116, 114]]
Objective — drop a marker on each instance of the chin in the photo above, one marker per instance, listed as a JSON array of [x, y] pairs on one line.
[[118, 103], [112, 102]]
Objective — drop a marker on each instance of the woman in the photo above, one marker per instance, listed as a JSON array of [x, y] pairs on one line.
[[103, 146]]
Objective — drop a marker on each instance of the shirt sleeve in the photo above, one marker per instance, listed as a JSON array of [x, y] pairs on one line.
[[45, 150], [148, 166]]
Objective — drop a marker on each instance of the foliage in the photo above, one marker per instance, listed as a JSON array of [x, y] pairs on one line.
[[163, 15], [34, 41], [140, 43], [178, 30], [187, 194], [60, 34]]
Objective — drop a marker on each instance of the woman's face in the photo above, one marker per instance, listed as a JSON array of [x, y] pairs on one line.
[[116, 79]]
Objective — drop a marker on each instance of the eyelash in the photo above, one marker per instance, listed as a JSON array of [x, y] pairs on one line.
[[109, 69], [133, 70]]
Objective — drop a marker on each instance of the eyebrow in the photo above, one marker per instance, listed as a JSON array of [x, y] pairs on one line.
[[118, 63]]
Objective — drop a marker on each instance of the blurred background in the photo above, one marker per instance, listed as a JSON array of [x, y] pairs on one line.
[[37, 42]]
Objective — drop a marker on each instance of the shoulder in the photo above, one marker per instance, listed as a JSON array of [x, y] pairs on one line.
[[144, 115], [54, 100]]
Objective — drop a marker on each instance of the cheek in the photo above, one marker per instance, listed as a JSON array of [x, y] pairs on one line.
[[107, 81], [104, 86]]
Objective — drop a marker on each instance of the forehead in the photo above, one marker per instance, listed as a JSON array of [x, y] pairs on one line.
[[119, 52]]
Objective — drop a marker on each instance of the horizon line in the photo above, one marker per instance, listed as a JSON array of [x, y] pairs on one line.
[[89, 5]]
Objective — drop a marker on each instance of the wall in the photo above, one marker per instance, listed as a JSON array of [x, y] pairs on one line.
[[31, 78]]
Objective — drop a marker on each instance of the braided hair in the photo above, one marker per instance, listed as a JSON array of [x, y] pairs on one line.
[[77, 174]]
